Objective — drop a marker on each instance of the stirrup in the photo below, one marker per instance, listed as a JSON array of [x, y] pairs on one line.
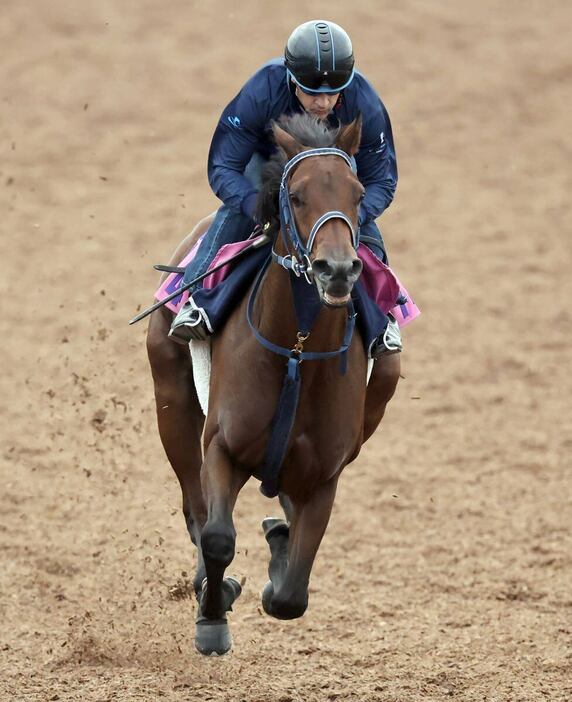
[[187, 325], [389, 342]]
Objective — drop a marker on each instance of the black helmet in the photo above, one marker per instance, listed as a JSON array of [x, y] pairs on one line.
[[319, 57]]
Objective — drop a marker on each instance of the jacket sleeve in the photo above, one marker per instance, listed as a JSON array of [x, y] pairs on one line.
[[376, 163], [238, 132]]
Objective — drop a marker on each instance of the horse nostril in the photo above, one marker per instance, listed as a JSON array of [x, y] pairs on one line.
[[357, 267], [329, 269], [321, 268]]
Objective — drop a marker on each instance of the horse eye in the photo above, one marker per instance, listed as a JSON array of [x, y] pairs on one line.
[[295, 200]]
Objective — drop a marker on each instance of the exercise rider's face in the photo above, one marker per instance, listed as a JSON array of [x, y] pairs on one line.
[[319, 105]]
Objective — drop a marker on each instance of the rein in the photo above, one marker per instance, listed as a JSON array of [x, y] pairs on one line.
[[300, 264]]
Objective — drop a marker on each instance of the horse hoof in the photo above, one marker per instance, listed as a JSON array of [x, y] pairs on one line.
[[267, 595], [212, 637], [273, 526]]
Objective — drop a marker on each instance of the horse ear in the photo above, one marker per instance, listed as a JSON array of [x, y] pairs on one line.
[[285, 141], [349, 137]]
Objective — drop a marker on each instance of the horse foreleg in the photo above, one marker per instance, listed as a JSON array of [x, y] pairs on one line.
[[277, 533], [221, 484], [380, 389], [287, 506], [285, 596], [180, 421]]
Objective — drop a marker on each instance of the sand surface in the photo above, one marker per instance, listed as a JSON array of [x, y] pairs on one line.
[[446, 570]]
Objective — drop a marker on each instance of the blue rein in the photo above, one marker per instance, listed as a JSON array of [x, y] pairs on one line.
[[300, 264]]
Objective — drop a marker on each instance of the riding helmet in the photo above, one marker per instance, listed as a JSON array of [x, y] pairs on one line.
[[319, 57]]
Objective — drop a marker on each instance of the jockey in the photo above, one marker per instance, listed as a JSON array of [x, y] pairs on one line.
[[317, 76]]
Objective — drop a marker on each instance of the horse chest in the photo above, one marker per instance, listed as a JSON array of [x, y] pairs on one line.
[[324, 438], [245, 394]]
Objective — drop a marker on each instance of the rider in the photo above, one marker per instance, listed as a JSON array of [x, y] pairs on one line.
[[317, 75]]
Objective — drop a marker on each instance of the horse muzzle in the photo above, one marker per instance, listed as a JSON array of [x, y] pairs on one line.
[[335, 279]]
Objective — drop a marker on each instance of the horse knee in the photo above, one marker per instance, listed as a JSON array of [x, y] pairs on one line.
[[218, 542]]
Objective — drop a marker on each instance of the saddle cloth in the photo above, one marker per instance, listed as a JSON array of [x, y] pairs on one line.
[[378, 280]]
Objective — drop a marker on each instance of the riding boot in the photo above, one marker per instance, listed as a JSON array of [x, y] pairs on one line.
[[388, 342], [189, 323]]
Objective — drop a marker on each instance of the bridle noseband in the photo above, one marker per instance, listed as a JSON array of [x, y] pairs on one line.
[[299, 261]]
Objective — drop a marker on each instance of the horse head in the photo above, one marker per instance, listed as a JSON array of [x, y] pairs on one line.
[[319, 204]]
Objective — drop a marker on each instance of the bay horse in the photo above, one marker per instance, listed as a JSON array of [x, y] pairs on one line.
[[336, 412]]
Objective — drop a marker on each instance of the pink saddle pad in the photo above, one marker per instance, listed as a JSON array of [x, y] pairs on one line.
[[384, 288], [379, 281]]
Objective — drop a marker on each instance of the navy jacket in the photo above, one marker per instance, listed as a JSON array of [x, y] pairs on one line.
[[244, 128]]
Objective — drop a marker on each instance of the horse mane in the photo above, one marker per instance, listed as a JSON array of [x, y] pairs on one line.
[[308, 131]]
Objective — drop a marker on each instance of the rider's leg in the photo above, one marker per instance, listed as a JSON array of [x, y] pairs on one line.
[[228, 227], [371, 231], [389, 341]]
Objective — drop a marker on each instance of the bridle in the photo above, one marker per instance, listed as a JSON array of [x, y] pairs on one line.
[[298, 261], [298, 258], [300, 264]]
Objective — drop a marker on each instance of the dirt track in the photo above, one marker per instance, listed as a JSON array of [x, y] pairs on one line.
[[446, 569]]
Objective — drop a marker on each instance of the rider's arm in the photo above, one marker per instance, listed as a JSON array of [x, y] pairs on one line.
[[239, 130], [376, 163]]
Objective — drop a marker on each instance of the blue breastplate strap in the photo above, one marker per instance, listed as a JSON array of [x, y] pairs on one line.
[[289, 353], [285, 415]]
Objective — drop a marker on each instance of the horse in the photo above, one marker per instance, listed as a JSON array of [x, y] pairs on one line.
[[336, 412]]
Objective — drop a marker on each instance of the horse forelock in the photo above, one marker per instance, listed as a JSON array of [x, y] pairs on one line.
[[308, 131]]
